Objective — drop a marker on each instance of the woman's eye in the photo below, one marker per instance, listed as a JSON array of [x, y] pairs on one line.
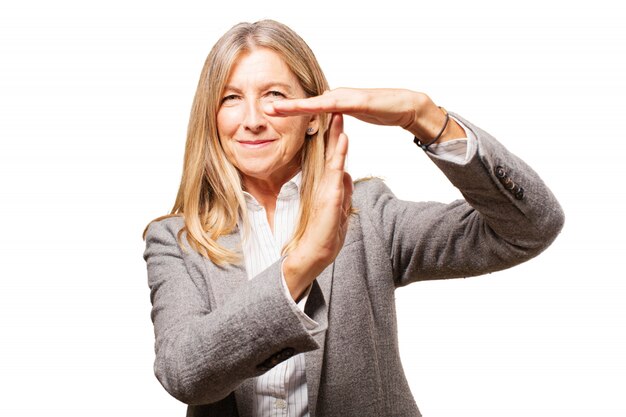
[[229, 97], [276, 94]]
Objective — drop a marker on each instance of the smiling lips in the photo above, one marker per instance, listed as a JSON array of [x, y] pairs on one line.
[[258, 143]]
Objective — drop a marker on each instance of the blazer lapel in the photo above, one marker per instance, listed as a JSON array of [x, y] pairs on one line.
[[244, 395], [317, 308]]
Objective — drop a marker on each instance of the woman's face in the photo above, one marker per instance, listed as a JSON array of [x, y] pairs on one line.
[[260, 146]]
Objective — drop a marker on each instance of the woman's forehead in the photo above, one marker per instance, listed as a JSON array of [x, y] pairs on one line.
[[261, 67]]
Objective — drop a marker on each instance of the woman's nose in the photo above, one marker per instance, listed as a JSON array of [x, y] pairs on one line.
[[255, 118]]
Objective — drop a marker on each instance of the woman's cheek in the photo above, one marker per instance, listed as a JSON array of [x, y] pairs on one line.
[[225, 132], [227, 122], [295, 125]]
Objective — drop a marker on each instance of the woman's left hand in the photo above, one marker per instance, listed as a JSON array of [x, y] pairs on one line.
[[328, 224], [411, 110]]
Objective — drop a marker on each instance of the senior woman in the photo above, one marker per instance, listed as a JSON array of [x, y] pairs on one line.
[[272, 281]]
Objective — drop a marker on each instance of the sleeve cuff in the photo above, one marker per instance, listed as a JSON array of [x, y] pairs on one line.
[[311, 325], [457, 150]]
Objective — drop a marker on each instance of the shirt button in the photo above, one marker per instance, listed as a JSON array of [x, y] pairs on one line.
[[280, 403]]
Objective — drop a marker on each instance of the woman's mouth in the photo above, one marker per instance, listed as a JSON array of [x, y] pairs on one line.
[[257, 143]]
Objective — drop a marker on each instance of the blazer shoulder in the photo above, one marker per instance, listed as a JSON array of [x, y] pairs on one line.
[[162, 235], [368, 189], [370, 199], [165, 225]]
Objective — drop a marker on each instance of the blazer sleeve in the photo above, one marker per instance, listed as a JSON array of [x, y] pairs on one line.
[[203, 354], [507, 216]]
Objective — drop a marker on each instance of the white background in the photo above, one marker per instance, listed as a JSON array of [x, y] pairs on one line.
[[94, 102]]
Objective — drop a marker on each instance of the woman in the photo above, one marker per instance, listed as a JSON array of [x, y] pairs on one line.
[[272, 281]]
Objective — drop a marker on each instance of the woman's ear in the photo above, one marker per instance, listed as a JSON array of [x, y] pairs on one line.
[[314, 125]]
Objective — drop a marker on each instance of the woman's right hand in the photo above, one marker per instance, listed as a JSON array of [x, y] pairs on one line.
[[326, 232], [411, 110]]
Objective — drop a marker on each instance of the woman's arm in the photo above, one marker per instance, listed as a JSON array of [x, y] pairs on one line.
[[508, 216], [204, 352]]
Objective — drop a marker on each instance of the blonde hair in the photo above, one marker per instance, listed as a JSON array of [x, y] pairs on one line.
[[210, 196]]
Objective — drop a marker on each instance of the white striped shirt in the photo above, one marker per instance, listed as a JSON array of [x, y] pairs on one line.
[[282, 391]]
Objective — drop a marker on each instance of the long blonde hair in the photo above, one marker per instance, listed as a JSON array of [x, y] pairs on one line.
[[210, 196]]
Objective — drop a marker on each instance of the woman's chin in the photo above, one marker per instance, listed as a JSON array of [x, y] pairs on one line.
[[267, 172]]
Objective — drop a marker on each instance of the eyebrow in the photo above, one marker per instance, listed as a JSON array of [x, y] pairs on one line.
[[265, 86]]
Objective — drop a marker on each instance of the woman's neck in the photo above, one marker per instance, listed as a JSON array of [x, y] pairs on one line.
[[266, 190]]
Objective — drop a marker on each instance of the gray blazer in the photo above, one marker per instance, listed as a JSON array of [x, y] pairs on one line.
[[215, 329]]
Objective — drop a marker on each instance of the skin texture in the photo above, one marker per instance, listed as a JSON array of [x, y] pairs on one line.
[[262, 124]]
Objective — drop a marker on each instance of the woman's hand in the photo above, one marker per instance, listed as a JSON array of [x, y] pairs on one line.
[[411, 110], [327, 228]]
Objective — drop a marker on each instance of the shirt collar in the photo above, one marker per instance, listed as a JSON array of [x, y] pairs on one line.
[[289, 191]]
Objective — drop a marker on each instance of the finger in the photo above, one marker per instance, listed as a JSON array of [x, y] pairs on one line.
[[296, 107], [348, 187], [338, 159], [284, 108], [336, 129], [336, 101]]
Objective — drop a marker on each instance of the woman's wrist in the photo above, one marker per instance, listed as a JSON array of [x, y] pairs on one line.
[[431, 122], [299, 271]]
